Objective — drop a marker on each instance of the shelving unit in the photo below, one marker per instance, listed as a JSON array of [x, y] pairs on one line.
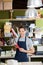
[[14, 20]]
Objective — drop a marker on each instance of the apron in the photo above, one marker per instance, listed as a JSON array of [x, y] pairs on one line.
[[21, 56]]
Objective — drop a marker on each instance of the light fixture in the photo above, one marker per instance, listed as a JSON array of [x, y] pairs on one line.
[[34, 3], [31, 13]]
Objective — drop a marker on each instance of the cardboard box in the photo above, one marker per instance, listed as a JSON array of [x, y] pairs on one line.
[[7, 5]]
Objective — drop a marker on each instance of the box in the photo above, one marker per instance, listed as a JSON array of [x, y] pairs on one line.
[[7, 5]]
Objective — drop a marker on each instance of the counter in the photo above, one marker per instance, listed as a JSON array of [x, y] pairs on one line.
[[30, 63], [26, 63]]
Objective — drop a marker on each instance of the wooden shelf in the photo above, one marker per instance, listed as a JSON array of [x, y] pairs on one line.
[[18, 19], [21, 19]]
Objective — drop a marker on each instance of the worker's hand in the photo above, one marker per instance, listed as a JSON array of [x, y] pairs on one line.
[[22, 50]]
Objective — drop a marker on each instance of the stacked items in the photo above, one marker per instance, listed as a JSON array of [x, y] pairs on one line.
[[7, 28], [7, 54]]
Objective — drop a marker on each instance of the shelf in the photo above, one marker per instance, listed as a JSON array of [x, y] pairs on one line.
[[19, 19], [7, 47], [8, 57], [37, 56]]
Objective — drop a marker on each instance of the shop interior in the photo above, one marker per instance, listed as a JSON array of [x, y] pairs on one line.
[[14, 13]]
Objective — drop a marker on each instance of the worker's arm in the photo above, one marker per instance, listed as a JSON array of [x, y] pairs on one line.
[[13, 32], [30, 51]]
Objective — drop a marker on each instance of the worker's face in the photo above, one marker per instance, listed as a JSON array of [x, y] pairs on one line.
[[22, 32]]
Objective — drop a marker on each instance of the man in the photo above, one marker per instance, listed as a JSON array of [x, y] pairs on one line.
[[25, 46]]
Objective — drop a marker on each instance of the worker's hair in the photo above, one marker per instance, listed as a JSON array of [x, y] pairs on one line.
[[22, 27]]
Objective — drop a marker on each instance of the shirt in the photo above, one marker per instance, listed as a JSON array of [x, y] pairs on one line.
[[29, 42]]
